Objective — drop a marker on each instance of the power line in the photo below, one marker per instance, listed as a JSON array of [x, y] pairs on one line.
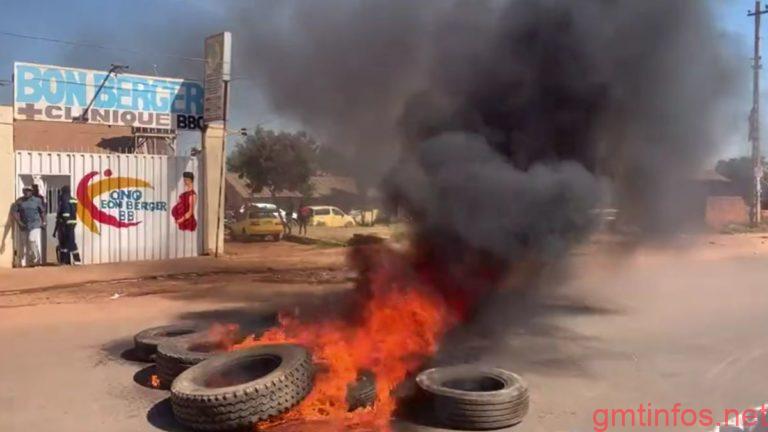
[[97, 46], [110, 48]]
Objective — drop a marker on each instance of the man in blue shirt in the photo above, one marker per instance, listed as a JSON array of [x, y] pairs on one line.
[[30, 216]]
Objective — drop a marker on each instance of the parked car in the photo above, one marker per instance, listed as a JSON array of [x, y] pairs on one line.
[[606, 218], [367, 217], [269, 206], [330, 217], [230, 217], [258, 223]]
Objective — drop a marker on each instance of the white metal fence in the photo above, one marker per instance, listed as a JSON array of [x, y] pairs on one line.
[[125, 202]]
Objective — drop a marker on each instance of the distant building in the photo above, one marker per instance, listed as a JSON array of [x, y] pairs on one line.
[[722, 201], [327, 190]]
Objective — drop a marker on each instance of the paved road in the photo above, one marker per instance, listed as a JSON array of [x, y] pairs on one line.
[[654, 327]]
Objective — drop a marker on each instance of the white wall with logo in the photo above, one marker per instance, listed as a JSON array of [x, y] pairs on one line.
[[125, 202]]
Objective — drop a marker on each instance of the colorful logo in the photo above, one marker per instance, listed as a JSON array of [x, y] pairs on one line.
[[124, 198]]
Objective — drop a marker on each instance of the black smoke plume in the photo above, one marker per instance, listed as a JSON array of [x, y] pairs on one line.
[[501, 116]]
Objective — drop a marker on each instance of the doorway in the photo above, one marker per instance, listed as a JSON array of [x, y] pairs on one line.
[[50, 188]]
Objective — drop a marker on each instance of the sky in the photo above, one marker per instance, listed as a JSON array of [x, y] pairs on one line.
[[166, 39]]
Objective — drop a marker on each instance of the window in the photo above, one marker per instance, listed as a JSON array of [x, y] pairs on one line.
[[261, 214], [322, 211], [338, 212]]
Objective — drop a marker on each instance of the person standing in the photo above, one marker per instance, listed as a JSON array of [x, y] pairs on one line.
[[36, 193], [66, 221], [30, 217], [289, 218], [305, 213]]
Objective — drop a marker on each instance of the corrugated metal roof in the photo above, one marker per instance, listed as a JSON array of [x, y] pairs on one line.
[[323, 186], [711, 175]]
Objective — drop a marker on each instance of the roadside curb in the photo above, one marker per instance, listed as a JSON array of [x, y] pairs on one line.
[[313, 241], [150, 277]]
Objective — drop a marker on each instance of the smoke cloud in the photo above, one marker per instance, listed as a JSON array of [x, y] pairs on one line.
[[503, 115]]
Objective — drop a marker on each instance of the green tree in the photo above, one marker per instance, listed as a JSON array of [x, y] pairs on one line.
[[275, 161], [739, 171]]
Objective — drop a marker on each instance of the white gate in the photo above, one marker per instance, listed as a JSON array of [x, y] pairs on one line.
[[125, 202]]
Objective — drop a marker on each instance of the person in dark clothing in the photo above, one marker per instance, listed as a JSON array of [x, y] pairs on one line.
[[305, 213], [66, 220], [36, 193]]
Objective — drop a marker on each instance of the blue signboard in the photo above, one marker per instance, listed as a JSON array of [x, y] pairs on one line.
[[54, 93]]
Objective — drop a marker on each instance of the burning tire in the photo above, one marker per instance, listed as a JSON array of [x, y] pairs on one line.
[[239, 388], [474, 398], [146, 341], [175, 357], [362, 392]]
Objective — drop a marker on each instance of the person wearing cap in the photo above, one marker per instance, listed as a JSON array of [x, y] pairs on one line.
[[66, 221], [29, 214]]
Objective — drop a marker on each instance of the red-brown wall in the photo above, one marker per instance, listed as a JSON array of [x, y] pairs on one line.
[[70, 137]]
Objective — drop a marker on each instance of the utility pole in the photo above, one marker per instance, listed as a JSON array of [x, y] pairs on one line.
[[754, 120], [113, 69]]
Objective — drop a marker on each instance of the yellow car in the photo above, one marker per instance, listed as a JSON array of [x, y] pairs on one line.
[[330, 217], [257, 223]]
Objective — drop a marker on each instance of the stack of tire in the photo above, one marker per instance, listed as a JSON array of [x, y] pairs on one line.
[[145, 342], [214, 390], [174, 349], [474, 398], [240, 388], [175, 357]]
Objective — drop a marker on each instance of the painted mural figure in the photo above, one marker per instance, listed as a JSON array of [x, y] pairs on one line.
[[184, 210], [66, 221]]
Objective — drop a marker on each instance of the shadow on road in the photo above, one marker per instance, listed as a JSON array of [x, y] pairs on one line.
[[131, 356], [121, 350], [161, 417], [143, 377], [529, 332]]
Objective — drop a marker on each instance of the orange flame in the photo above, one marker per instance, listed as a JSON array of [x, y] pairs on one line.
[[400, 323], [223, 335], [154, 381]]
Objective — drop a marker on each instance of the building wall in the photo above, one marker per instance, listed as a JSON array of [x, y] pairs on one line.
[[725, 210], [214, 195], [71, 137], [7, 174], [125, 202], [234, 200]]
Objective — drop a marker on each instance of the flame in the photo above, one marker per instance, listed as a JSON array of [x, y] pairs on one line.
[[223, 336], [400, 322], [154, 381]]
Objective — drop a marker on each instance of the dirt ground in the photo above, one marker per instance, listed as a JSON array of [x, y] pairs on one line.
[[614, 327], [344, 234]]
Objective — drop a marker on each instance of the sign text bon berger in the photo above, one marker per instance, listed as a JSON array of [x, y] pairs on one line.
[[54, 93]]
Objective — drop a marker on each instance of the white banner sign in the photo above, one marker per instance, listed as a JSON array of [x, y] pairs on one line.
[[54, 93]]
